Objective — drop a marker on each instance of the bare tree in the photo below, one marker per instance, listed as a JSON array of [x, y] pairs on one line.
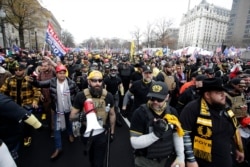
[[67, 39], [149, 34], [137, 34], [162, 31], [22, 15]]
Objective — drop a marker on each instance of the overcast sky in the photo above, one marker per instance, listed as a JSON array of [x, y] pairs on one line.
[[117, 18]]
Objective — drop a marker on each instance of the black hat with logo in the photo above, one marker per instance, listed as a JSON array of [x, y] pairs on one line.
[[158, 90], [146, 68]]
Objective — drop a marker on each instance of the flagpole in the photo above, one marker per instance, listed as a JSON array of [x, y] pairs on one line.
[[44, 45]]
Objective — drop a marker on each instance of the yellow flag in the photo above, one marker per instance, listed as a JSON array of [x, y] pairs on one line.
[[132, 50], [159, 52]]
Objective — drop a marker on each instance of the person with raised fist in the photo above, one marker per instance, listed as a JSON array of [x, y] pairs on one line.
[[156, 133]]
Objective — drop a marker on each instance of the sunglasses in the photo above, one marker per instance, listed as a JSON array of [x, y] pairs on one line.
[[96, 80], [19, 69], [113, 70], [156, 99]]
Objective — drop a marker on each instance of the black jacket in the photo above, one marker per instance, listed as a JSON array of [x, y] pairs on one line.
[[11, 115]]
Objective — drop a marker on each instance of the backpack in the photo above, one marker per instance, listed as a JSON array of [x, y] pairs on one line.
[[237, 103], [170, 81]]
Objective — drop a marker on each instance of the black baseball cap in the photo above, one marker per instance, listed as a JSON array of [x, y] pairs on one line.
[[146, 68], [158, 90]]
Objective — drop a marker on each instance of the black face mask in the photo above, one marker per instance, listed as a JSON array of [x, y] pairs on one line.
[[78, 73]]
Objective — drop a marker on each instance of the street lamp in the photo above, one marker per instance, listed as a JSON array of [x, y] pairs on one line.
[[2, 16], [36, 41]]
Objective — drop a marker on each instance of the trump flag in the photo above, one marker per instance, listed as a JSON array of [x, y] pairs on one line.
[[54, 42]]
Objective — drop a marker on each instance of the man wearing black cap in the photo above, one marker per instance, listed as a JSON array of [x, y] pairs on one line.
[[23, 93], [156, 133], [125, 70], [209, 72], [11, 63], [209, 127], [137, 75], [172, 82], [139, 90]]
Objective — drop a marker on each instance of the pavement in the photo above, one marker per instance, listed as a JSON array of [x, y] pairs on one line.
[[38, 154]]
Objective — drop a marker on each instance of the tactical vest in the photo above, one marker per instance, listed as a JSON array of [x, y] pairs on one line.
[[100, 105], [163, 147], [169, 80], [239, 105]]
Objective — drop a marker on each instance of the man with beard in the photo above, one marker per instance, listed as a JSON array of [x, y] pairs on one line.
[[104, 105], [47, 72], [139, 90], [156, 133], [209, 126], [172, 82]]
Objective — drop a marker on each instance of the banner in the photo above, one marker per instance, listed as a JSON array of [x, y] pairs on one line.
[[132, 50], [54, 42]]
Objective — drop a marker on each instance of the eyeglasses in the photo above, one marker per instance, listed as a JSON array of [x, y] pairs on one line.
[[156, 99], [96, 80]]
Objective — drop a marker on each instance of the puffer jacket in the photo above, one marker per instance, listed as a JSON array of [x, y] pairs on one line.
[[52, 85]]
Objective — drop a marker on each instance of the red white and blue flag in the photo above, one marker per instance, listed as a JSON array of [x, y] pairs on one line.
[[54, 42]]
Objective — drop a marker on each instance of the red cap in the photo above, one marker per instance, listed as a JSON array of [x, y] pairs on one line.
[[245, 121], [60, 68]]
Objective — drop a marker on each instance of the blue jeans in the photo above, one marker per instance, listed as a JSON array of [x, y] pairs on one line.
[[57, 133]]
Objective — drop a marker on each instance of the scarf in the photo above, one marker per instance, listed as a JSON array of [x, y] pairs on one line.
[[63, 104], [203, 137], [172, 119]]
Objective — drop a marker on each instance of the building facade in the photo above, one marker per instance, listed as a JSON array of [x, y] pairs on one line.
[[204, 26], [34, 33], [238, 33]]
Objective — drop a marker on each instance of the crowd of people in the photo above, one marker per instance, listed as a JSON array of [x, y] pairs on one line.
[[181, 111]]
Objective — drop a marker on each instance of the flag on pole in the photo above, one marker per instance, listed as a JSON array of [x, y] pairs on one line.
[[54, 42], [132, 50]]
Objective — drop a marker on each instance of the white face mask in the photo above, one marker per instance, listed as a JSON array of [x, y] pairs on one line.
[[112, 74]]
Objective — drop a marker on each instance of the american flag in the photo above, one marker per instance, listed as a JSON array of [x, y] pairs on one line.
[[54, 42]]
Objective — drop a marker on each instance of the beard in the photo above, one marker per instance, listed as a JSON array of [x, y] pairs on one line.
[[95, 91], [218, 105]]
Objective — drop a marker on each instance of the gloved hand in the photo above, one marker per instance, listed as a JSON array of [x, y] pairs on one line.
[[159, 127]]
